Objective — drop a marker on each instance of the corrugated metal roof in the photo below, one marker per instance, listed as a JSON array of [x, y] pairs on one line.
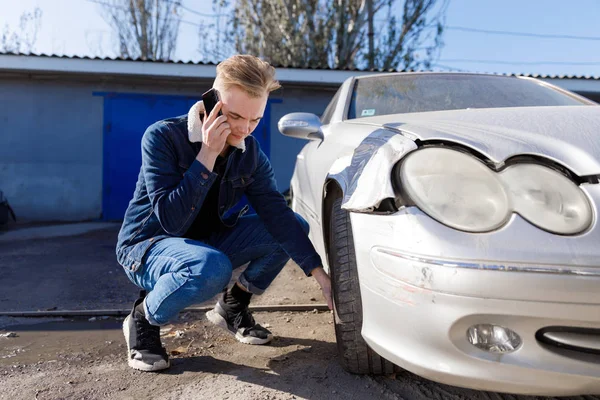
[[171, 61], [76, 57]]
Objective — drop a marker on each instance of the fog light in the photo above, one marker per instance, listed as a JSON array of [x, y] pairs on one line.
[[493, 338]]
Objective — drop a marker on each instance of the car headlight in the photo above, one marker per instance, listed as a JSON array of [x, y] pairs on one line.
[[460, 191], [454, 188], [547, 198]]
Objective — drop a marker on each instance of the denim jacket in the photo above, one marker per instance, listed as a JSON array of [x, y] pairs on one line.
[[172, 185]]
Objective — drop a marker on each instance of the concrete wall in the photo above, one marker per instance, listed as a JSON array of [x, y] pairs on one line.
[[51, 150]]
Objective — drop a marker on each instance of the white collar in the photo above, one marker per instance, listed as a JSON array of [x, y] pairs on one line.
[[194, 123]]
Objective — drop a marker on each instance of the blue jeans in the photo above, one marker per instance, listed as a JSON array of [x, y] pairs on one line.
[[179, 272]]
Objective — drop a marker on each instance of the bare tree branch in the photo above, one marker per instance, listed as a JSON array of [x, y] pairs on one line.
[[332, 33], [22, 40], [145, 29]]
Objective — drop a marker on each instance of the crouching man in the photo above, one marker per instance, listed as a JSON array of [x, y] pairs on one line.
[[180, 240]]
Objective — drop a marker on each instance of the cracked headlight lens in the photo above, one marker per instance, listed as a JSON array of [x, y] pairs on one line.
[[455, 188], [547, 198]]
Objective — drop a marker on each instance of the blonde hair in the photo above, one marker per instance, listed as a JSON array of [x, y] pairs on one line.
[[249, 73]]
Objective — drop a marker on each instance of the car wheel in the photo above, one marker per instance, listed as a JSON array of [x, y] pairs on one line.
[[356, 356]]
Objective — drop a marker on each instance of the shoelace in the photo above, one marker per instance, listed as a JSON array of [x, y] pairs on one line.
[[148, 336], [244, 319]]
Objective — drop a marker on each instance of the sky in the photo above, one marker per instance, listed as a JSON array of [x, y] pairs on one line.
[[496, 36]]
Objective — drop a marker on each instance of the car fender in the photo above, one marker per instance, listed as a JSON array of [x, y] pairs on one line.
[[365, 176]]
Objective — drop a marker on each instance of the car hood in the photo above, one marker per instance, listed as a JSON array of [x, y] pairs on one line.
[[569, 135]]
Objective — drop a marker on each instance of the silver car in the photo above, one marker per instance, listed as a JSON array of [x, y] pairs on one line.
[[458, 217]]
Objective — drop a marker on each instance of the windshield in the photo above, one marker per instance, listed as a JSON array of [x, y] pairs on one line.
[[393, 94]]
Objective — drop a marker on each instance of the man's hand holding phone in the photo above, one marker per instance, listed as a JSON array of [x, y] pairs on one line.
[[215, 131]]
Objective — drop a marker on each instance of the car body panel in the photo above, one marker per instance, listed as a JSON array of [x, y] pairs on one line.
[[431, 283], [342, 140], [566, 134], [428, 339], [364, 177]]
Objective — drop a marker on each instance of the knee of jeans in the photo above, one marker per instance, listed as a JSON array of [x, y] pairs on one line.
[[215, 270], [303, 222]]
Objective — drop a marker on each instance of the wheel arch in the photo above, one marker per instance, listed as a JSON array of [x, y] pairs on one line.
[[332, 190]]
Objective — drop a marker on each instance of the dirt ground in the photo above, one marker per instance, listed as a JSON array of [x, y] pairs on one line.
[[86, 358], [82, 359], [81, 273]]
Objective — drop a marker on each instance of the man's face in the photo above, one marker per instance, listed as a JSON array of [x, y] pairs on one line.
[[243, 112]]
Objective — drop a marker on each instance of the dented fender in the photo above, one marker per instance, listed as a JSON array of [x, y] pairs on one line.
[[365, 176]]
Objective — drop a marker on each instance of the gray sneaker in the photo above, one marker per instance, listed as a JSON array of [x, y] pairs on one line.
[[144, 349], [240, 324]]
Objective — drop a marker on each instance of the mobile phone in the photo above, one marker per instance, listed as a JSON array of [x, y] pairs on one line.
[[210, 99]]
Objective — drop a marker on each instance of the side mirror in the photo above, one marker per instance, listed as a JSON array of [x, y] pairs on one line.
[[301, 126]]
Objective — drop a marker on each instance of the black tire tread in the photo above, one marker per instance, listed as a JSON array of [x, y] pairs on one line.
[[356, 356]]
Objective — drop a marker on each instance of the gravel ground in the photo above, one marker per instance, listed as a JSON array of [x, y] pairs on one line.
[[82, 359]]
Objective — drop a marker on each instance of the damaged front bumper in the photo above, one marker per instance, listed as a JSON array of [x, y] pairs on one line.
[[423, 285]]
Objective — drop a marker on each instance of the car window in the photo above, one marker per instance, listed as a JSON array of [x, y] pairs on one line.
[[393, 94], [326, 117]]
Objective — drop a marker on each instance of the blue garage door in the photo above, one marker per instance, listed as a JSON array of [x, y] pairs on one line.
[[126, 117]]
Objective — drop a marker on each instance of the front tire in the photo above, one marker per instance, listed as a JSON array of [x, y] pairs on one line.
[[356, 356]]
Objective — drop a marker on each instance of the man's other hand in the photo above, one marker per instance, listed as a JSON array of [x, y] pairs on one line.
[[323, 279]]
